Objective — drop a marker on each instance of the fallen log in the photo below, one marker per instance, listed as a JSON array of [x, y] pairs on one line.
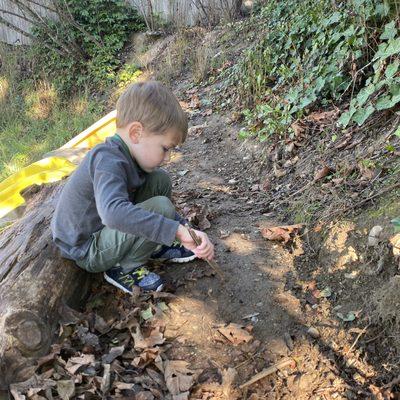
[[35, 285]]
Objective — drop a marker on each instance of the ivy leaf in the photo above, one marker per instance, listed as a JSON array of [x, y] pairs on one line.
[[391, 69], [390, 31], [396, 223], [147, 314], [382, 10], [362, 114], [345, 118], [384, 103], [397, 133], [364, 93], [395, 92], [392, 48]]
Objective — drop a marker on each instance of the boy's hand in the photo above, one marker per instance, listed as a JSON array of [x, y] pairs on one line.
[[205, 250]]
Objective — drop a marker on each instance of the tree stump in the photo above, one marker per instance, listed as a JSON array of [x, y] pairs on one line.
[[35, 284]]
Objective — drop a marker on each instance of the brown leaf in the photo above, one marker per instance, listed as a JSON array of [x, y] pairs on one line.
[[155, 338], [66, 389], [297, 128], [278, 172], [321, 116], [198, 215], [322, 173], [367, 173], [236, 333], [266, 185], [194, 101], [145, 395], [74, 363], [106, 379], [112, 355], [179, 378], [228, 378], [18, 389], [146, 357], [280, 233], [100, 325]]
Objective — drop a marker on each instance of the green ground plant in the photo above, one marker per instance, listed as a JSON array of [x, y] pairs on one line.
[[82, 46], [319, 53], [35, 118]]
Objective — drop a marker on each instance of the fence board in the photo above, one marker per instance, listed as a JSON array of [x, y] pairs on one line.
[[178, 12]]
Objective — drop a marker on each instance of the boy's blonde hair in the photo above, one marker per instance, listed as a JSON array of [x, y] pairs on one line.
[[154, 106]]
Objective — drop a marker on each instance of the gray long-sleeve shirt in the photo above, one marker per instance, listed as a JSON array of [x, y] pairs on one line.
[[97, 194]]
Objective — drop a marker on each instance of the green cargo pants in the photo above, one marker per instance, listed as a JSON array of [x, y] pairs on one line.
[[110, 246]]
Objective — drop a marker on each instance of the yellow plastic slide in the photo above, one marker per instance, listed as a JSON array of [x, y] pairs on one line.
[[54, 167]]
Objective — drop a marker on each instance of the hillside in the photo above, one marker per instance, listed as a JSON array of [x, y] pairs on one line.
[[292, 167]]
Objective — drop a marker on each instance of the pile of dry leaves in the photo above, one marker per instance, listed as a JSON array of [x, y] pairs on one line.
[[123, 355]]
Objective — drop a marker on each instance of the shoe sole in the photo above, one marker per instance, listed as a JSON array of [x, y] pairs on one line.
[[125, 290], [181, 260]]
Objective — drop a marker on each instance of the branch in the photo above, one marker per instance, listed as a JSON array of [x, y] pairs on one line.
[[139, 4], [39, 20], [27, 34], [17, 15]]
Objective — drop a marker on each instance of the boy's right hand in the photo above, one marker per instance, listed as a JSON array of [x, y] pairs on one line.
[[205, 250]]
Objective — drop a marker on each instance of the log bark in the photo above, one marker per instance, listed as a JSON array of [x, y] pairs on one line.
[[35, 286]]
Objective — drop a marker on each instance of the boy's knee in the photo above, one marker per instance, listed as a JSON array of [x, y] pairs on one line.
[[165, 206], [161, 205], [162, 181]]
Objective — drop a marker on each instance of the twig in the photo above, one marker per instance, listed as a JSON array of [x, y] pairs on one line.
[[375, 337], [357, 339], [268, 371], [212, 263], [250, 358]]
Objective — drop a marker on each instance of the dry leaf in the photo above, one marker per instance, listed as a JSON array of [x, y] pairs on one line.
[[196, 129], [321, 116], [144, 396], [366, 173], [179, 378], [122, 385], [228, 378], [395, 242], [155, 338], [198, 216], [100, 325], [66, 389], [279, 172], [322, 173], [106, 380], [281, 233], [236, 333], [113, 354], [297, 129], [194, 101], [146, 357], [74, 363]]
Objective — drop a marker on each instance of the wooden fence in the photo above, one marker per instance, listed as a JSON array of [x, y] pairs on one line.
[[178, 12]]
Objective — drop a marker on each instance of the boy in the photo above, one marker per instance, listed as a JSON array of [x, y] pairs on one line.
[[115, 212]]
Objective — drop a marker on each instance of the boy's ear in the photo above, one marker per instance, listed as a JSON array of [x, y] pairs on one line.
[[135, 131]]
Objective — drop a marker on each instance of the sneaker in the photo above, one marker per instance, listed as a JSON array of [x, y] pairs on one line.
[[141, 276], [175, 253]]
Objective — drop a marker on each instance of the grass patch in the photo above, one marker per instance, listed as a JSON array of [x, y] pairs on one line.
[[34, 119]]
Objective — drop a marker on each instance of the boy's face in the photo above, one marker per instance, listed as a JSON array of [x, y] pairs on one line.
[[152, 150]]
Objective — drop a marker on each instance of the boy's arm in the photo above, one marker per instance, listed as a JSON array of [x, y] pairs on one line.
[[118, 212]]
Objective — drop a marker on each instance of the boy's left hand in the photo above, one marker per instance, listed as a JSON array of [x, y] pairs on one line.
[[205, 250]]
